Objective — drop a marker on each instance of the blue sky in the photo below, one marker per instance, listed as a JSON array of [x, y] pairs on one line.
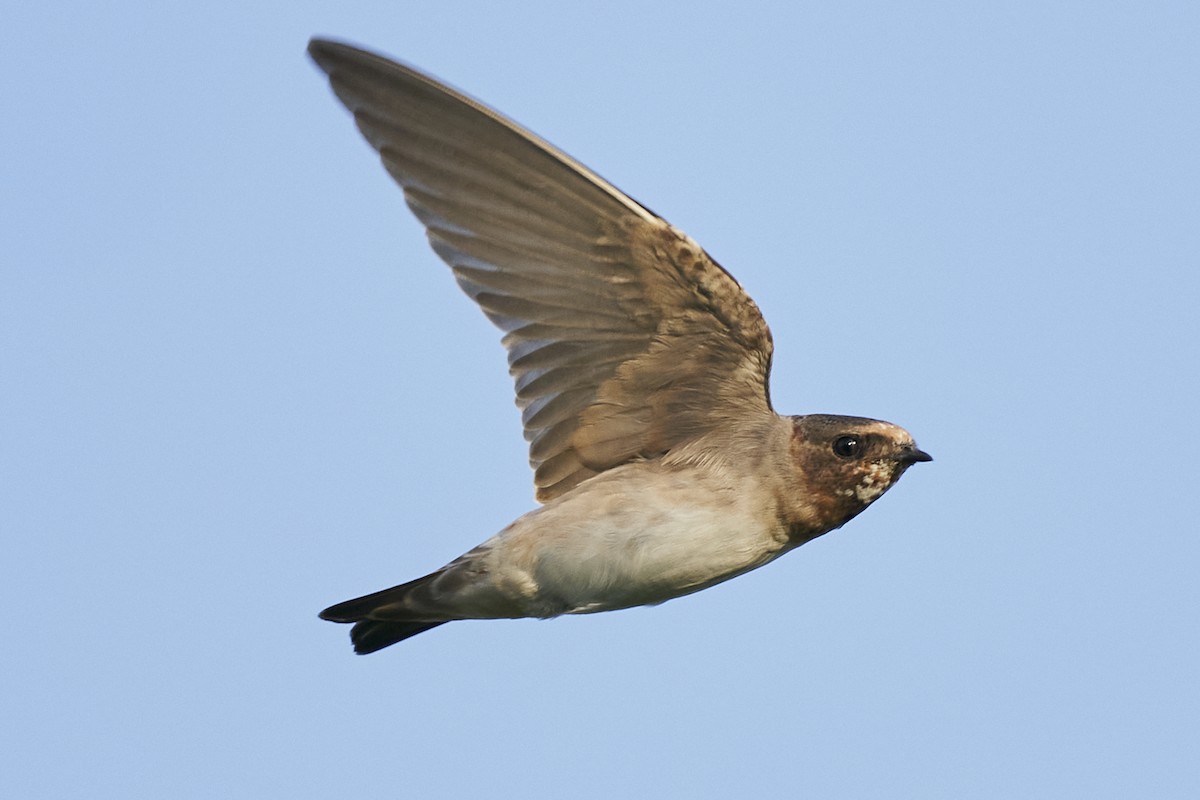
[[239, 387]]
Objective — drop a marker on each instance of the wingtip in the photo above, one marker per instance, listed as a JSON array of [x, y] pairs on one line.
[[327, 53], [322, 44], [322, 51], [342, 612]]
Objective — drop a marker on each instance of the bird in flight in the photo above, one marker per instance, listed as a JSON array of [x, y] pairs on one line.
[[641, 372]]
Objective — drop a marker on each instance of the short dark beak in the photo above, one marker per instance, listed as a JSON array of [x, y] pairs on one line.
[[909, 454]]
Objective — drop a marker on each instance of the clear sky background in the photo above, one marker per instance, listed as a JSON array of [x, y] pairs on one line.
[[237, 387]]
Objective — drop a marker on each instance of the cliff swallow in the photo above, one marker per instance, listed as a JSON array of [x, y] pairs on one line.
[[641, 373]]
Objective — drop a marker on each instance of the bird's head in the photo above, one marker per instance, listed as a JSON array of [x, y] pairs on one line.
[[843, 464]]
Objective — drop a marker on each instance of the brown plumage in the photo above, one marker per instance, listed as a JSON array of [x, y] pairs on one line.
[[641, 372]]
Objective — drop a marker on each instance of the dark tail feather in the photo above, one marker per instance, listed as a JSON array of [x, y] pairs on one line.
[[369, 633]]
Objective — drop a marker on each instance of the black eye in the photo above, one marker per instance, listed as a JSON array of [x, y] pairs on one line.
[[847, 446]]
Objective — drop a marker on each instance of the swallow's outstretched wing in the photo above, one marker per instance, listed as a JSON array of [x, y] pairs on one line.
[[624, 338]]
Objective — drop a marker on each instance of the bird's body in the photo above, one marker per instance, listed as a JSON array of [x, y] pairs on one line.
[[637, 535], [641, 370]]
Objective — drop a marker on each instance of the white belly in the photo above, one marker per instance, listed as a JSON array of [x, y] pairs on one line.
[[616, 542]]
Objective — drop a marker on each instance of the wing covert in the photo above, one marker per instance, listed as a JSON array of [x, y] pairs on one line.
[[624, 337]]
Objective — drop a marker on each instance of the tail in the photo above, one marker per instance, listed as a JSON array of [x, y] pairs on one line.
[[382, 618], [368, 636]]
